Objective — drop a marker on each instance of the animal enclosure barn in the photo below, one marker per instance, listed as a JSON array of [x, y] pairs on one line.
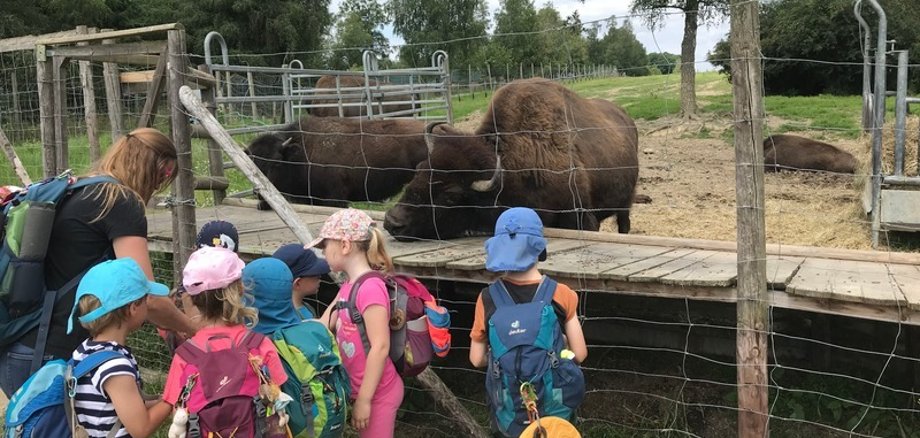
[[659, 304]]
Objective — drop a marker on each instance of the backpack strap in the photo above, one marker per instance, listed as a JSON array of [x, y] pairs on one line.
[[52, 297], [86, 366], [352, 307], [545, 290], [500, 295], [252, 340]]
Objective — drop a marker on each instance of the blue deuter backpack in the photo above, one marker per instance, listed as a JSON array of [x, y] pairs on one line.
[[26, 221], [525, 343], [43, 406]]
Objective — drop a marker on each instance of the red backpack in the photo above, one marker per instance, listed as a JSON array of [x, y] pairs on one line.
[[419, 327], [222, 391]]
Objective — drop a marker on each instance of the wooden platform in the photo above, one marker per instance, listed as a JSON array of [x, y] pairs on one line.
[[873, 285]]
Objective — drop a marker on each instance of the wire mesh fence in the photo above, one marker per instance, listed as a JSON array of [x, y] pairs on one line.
[[657, 365]]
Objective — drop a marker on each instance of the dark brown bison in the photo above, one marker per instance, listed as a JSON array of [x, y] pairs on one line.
[[540, 145], [326, 85], [333, 160], [791, 152]]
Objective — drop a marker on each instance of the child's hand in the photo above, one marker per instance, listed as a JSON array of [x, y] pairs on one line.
[[361, 414]]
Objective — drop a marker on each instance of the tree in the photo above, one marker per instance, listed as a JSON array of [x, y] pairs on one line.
[[358, 28], [665, 62], [560, 41], [695, 13], [515, 29], [275, 28], [622, 50], [456, 26], [825, 31]]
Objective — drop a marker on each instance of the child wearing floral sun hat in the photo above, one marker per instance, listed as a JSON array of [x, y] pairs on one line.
[[353, 244]]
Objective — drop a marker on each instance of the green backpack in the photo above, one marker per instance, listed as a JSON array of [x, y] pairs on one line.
[[317, 380]]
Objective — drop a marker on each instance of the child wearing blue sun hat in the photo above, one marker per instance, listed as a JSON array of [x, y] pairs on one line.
[[526, 329]]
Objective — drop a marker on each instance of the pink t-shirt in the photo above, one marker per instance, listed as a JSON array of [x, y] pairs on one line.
[[372, 291], [174, 382]]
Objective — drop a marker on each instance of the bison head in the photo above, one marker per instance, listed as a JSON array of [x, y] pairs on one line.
[[272, 154], [454, 191]]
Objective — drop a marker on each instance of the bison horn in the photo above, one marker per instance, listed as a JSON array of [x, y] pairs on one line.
[[287, 142], [486, 185], [428, 140]]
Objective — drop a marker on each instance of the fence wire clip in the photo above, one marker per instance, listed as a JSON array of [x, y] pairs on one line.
[[172, 201]]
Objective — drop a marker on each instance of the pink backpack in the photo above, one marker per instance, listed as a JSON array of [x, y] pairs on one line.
[[419, 328], [221, 392]]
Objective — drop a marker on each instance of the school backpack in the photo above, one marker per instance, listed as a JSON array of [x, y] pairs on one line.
[[36, 409], [224, 393], [26, 221], [419, 327], [525, 343], [317, 380]]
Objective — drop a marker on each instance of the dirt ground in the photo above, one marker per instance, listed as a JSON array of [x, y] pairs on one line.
[[687, 168]]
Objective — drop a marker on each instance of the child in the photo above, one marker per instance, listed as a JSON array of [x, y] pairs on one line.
[[352, 243], [212, 279], [307, 269], [219, 233], [111, 302], [268, 281], [514, 251]]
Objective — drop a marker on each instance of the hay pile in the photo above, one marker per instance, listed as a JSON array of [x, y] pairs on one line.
[[910, 148]]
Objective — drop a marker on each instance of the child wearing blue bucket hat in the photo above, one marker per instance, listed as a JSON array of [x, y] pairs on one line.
[[526, 318], [111, 302]]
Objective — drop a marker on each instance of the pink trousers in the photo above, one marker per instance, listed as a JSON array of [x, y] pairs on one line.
[[384, 405]]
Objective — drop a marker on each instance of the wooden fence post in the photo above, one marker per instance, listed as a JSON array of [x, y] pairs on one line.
[[184, 207], [89, 101], [267, 190], [62, 158], [113, 95], [252, 93], [17, 110], [215, 158], [753, 301], [45, 75]]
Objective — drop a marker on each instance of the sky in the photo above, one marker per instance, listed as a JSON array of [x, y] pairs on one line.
[[664, 39]]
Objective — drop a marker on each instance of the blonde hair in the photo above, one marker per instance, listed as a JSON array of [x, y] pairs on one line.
[[226, 305], [117, 317], [376, 251], [138, 161]]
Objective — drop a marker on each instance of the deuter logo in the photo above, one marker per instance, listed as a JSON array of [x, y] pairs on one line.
[[515, 328], [223, 383]]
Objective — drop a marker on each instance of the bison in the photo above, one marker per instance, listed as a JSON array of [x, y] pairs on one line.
[[539, 145], [333, 160], [326, 85], [791, 152]]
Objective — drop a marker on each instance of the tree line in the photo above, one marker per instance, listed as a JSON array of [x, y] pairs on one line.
[[278, 31]]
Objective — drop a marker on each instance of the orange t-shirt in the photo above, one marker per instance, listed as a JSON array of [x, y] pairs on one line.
[[565, 303]]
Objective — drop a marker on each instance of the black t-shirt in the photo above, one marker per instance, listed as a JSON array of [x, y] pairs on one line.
[[76, 244]]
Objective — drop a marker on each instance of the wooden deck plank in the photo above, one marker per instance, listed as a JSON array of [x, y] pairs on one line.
[[554, 247], [590, 261], [719, 269], [907, 279], [626, 272], [780, 270], [439, 256], [862, 282]]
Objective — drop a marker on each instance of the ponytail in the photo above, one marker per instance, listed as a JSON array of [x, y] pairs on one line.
[[376, 252]]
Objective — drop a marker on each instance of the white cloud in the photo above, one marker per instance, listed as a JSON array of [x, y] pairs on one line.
[[664, 39]]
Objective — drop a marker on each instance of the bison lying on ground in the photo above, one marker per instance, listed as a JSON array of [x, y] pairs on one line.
[[539, 145], [326, 85], [332, 160], [791, 152]]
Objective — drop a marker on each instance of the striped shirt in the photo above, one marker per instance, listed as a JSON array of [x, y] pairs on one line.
[[94, 409]]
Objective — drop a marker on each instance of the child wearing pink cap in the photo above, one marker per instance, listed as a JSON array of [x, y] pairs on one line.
[[212, 280], [352, 244]]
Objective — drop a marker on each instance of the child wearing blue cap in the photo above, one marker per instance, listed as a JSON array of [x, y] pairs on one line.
[[111, 302], [306, 269], [511, 324]]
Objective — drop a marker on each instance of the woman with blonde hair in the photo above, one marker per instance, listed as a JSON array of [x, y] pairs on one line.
[[95, 223]]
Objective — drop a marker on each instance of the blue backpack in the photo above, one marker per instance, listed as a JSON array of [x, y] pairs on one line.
[[26, 222], [36, 409], [525, 343], [317, 380]]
